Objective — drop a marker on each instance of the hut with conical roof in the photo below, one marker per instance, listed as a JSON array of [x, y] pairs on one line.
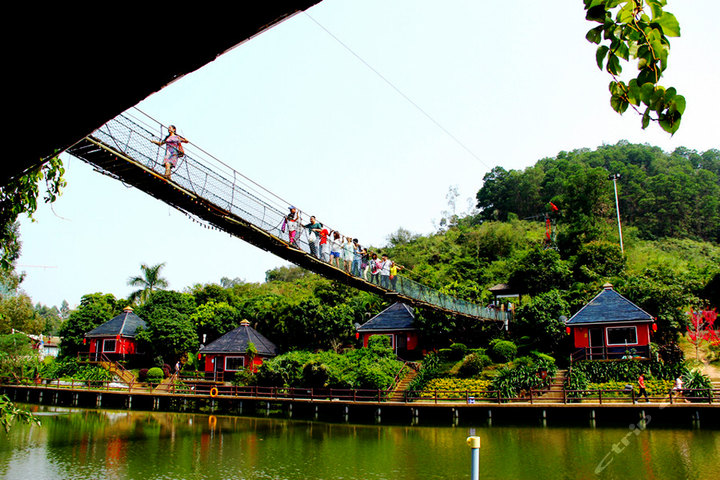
[[398, 323], [230, 354], [115, 339], [610, 327]]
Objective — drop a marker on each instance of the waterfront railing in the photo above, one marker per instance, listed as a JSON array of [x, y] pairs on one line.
[[215, 390]]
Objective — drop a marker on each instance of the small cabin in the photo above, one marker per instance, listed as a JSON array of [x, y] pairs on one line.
[[115, 339], [229, 354], [610, 327], [397, 322]]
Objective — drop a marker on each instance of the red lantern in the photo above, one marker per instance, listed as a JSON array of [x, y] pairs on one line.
[[84, 341], [357, 335], [654, 327], [567, 330], [199, 356]]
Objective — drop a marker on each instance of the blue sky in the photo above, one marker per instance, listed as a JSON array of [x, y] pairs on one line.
[[296, 111]]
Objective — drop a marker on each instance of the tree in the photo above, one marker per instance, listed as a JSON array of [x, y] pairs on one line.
[[94, 310], [701, 329], [540, 270], [9, 413], [214, 319], [20, 195], [149, 281], [169, 334], [637, 30], [17, 312], [538, 323]]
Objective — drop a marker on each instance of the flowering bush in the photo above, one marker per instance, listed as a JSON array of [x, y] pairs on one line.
[[455, 387]]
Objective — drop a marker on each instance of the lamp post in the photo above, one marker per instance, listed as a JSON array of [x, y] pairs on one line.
[[614, 177]]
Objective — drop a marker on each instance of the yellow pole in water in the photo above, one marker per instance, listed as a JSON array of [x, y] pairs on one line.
[[474, 444]]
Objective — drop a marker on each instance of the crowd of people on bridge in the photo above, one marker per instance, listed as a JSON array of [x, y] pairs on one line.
[[341, 251]]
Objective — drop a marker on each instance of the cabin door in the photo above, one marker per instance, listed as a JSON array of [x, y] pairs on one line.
[[597, 343]]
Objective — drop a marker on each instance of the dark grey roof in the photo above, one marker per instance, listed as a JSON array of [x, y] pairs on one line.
[[397, 316], [609, 306], [236, 341], [125, 324]]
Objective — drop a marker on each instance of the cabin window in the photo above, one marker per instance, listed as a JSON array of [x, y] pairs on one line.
[[233, 364], [622, 336], [108, 346]]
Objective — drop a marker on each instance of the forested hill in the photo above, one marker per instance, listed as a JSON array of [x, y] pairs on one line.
[[663, 194]]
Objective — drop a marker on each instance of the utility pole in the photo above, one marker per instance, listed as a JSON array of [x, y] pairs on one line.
[[614, 177]]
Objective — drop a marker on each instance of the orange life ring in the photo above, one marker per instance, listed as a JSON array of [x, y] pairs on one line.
[[213, 392], [212, 421]]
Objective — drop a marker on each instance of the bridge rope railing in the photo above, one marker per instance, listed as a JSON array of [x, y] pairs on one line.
[[205, 176]]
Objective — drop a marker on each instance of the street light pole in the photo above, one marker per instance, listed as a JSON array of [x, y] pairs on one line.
[[614, 177]]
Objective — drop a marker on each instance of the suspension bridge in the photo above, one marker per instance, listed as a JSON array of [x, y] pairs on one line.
[[211, 191]]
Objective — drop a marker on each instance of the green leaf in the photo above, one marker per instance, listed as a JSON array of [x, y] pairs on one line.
[[634, 92], [613, 65], [646, 118], [600, 55], [618, 103], [670, 25], [594, 34]]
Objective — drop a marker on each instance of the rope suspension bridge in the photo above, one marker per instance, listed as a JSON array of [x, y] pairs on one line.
[[209, 190]]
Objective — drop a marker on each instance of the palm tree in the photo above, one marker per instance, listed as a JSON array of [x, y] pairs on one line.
[[149, 280]]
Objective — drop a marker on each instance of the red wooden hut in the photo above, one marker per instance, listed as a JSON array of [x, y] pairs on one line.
[[610, 327], [228, 354], [397, 322], [115, 339]]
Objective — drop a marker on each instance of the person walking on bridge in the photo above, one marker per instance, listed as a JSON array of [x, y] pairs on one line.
[[173, 149]]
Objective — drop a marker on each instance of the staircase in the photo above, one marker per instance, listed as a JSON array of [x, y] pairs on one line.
[[555, 395], [398, 394], [121, 373], [166, 385]]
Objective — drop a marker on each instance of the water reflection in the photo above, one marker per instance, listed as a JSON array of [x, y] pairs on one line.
[[85, 444]]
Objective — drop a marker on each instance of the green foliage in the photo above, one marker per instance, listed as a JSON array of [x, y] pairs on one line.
[[154, 375], [149, 281], [170, 334], [94, 310], [457, 351], [540, 270], [502, 351], [214, 319], [366, 368], [637, 30], [539, 320], [626, 370], [473, 365], [16, 344], [9, 413], [523, 376], [17, 312], [430, 369], [19, 195], [695, 379]]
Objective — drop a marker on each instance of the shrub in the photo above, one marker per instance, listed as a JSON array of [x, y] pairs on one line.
[[444, 354], [457, 351], [503, 351], [155, 375], [451, 387], [142, 374], [473, 364], [694, 379]]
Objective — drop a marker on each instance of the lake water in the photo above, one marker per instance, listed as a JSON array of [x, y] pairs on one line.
[[100, 444]]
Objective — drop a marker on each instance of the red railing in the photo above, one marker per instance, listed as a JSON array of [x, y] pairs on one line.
[[373, 396]]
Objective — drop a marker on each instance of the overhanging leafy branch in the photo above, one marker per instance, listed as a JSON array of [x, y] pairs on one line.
[[627, 32]]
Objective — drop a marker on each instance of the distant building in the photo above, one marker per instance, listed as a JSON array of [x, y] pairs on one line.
[[115, 339], [610, 327], [229, 353], [397, 322]]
